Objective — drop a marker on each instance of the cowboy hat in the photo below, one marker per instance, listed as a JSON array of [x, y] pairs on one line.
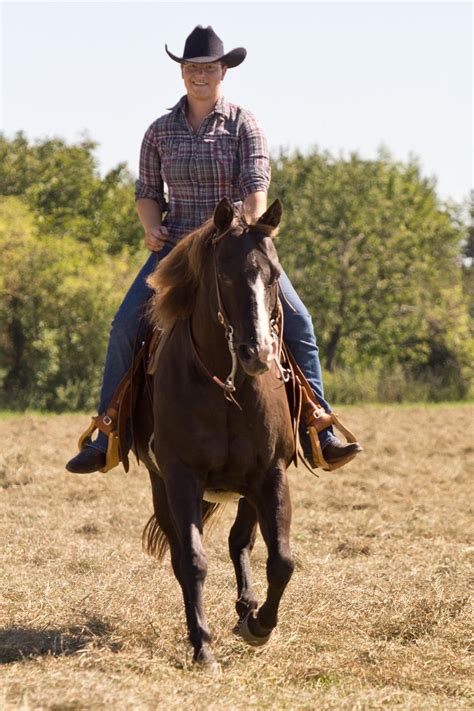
[[204, 46]]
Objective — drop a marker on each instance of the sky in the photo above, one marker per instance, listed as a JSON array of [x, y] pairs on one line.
[[342, 76]]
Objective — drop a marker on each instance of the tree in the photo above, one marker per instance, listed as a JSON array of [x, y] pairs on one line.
[[57, 301], [384, 267], [62, 186], [374, 255], [468, 258]]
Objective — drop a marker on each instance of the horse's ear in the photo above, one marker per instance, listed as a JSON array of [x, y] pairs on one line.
[[223, 215], [272, 215]]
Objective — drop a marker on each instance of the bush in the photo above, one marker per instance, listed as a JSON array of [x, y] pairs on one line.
[[58, 300], [392, 385]]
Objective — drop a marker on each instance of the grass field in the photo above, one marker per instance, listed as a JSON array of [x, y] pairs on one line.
[[377, 614]]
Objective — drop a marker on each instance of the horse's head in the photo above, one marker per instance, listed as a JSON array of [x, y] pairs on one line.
[[247, 271]]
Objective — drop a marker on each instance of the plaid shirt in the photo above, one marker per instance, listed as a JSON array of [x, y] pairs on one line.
[[228, 156]]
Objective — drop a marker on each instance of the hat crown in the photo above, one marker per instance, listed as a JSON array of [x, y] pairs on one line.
[[203, 42], [203, 45]]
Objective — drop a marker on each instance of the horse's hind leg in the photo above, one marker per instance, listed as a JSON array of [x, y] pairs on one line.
[[184, 494], [165, 523], [241, 542], [274, 515]]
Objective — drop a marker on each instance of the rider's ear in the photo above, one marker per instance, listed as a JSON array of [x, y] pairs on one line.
[[272, 215], [223, 215]]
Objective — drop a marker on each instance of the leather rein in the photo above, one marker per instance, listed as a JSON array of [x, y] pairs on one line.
[[276, 324]]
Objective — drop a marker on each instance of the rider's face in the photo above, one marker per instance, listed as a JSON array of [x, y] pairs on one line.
[[202, 81]]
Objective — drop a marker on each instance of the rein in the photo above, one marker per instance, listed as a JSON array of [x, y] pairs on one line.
[[276, 323], [228, 386]]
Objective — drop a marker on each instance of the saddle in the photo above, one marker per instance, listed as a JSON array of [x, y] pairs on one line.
[[302, 402]]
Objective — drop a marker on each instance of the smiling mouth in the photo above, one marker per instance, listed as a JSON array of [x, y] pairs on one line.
[[199, 83]]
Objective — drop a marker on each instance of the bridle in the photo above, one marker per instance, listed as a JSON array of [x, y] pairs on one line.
[[276, 322]]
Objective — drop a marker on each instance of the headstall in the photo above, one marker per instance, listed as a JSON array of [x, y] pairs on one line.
[[276, 324]]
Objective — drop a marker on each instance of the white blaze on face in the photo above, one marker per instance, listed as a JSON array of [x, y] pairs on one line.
[[264, 336]]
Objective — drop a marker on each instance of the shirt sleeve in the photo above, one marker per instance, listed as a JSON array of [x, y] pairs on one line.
[[254, 158], [150, 182]]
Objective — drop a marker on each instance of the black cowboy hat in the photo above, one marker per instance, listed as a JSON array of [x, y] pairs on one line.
[[203, 46]]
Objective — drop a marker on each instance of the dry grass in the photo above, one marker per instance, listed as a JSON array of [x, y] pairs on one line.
[[376, 615]]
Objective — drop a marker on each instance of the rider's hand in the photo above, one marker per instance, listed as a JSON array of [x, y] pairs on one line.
[[155, 238]]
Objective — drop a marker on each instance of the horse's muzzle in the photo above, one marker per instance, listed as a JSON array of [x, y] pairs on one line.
[[255, 360]]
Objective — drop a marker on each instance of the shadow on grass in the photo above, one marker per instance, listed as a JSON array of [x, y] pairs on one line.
[[18, 643]]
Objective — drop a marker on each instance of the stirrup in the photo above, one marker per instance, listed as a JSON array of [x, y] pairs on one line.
[[316, 445], [112, 455]]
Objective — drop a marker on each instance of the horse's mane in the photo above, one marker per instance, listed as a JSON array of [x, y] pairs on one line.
[[176, 279]]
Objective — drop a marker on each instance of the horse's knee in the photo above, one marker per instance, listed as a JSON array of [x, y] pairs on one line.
[[280, 569], [199, 565]]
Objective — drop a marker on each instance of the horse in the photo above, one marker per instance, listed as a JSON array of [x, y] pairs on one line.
[[205, 438]]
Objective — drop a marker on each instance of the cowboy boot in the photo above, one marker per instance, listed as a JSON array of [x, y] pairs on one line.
[[87, 461], [332, 453], [340, 453]]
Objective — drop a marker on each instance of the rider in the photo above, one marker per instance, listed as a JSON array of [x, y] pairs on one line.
[[204, 148]]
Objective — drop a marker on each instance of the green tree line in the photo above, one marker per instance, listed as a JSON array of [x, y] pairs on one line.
[[384, 267]]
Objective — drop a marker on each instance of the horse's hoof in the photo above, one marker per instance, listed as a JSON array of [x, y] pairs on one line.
[[206, 663], [211, 668], [248, 636]]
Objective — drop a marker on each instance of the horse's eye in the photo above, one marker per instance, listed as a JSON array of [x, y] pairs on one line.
[[224, 279]]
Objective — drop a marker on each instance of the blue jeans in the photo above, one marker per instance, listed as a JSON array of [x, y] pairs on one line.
[[298, 333]]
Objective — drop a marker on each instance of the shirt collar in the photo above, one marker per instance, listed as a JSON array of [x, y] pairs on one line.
[[221, 107]]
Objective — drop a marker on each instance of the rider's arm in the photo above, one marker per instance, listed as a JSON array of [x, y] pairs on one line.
[[255, 205], [150, 201], [150, 216], [254, 167]]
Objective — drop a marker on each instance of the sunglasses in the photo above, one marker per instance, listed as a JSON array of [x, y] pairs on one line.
[[207, 68]]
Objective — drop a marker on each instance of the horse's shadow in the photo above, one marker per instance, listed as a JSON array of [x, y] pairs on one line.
[[18, 643]]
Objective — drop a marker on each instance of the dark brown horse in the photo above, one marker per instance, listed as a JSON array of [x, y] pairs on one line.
[[216, 299]]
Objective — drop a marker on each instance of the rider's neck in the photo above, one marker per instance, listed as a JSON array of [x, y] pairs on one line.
[[197, 110]]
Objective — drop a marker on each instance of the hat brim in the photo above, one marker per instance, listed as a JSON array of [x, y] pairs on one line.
[[231, 59]]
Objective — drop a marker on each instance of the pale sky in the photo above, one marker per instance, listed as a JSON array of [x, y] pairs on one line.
[[345, 76]]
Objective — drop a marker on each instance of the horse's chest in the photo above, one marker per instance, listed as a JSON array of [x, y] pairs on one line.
[[217, 438], [242, 455], [222, 445]]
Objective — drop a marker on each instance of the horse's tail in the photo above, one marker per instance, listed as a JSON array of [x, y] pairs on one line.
[[155, 540]]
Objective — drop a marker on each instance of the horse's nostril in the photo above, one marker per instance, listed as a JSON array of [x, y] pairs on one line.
[[246, 352]]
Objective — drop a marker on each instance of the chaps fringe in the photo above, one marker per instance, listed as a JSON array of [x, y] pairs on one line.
[[155, 540]]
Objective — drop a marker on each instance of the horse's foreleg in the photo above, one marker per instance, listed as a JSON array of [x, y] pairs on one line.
[[184, 493], [241, 542], [274, 514]]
